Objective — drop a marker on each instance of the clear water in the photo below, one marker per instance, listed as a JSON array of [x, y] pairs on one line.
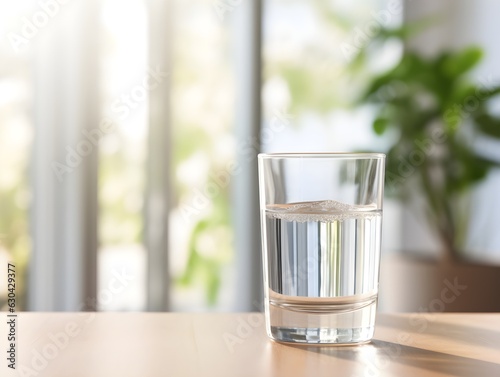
[[322, 271]]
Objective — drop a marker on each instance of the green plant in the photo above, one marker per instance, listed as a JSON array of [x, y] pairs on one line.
[[433, 112]]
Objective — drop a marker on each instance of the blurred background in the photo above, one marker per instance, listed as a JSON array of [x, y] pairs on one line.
[[129, 132]]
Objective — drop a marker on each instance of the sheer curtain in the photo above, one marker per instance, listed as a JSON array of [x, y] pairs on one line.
[[62, 273]]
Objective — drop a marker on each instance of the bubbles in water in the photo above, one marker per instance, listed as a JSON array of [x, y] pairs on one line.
[[325, 210]]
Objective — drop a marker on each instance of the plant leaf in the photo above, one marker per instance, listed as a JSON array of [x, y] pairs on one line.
[[488, 124], [380, 125], [212, 283], [484, 93], [462, 61], [411, 28]]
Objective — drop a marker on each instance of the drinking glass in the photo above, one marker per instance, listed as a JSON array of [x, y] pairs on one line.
[[321, 218]]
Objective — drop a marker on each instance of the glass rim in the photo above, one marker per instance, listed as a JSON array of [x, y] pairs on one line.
[[333, 155]]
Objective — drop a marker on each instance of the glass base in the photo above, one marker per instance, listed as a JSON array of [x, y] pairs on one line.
[[322, 336], [351, 322]]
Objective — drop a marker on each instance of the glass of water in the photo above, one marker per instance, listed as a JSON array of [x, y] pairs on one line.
[[321, 216]]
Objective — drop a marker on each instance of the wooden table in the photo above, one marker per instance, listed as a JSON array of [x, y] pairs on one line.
[[174, 344]]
